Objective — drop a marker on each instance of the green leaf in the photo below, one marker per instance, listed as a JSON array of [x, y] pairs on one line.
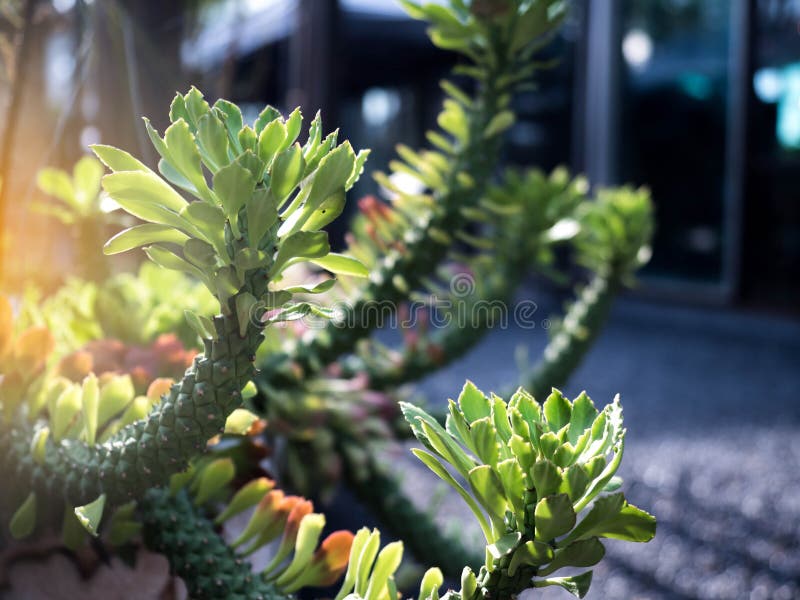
[[233, 185], [331, 175], [196, 106], [213, 479], [118, 160], [90, 393], [57, 183], [39, 445], [387, 563], [457, 426], [575, 482], [513, 480], [247, 497], [304, 244], [240, 421], [201, 325], [504, 545], [271, 139], [499, 123], [293, 125], [532, 553], [287, 171], [169, 260], [262, 213], [115, 394], [144, 195], [331, 208], [200, 253], [213, 139], [430, 584], [489, 491], [265, 117], [307, 539], [68, 405], [340, 264], [441, 442], [546, 478], [473, 403], [91, 514], [611, 516], [356, 548], [24, 520], [248, 139], [140, 235], [177, 108], [319, 288], [439, 469], [184, 156], [73, 535], [232, 117], [358, 169], [583, 415], [469, 583], [244, 311], [86, 177], [577, 585], [484, 440], [554, 517], [366, 561], [583, 553], [557, 410], [209, 222]]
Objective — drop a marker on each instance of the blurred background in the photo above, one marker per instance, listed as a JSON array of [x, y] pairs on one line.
[[697, 99]]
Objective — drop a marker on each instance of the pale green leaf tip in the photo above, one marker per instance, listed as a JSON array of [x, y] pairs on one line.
[[91, 514]]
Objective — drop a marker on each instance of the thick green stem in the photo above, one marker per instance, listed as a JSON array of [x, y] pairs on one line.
[[146, 453], [174, 527], [474, 319], [579, 328]]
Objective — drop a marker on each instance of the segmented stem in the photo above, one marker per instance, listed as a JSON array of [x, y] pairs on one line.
[[580, 326], [146, 453], [174, 527]]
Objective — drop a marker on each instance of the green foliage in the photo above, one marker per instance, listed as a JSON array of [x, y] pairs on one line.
[[134, 308], [77, 196], [530, 470], [262, 211]]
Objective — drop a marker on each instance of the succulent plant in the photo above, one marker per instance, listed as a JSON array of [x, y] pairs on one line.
[[530, 471]]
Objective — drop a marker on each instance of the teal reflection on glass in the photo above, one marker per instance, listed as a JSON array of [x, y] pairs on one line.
[[696, 85], [782, 86]]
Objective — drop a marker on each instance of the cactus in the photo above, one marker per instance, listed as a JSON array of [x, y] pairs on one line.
[[260, 201], [530, 470]]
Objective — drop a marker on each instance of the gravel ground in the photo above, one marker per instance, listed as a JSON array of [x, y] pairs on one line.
[[713, 447]]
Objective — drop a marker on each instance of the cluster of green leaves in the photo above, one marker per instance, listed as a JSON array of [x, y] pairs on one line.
[[473, 29], [78, 195], [370, 574], [91, 411], [269, 199], [134, 308], [301, 557], [617, 231], [531, 470]]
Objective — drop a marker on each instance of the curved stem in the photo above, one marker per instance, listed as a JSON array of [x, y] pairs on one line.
[[580, 326], [146, 453], [174, 527]]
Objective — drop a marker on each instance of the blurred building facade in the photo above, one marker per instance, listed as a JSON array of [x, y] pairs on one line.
[[698, 99]]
